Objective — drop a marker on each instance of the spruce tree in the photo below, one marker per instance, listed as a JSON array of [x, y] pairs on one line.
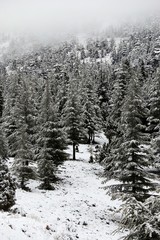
[[120, 79], [22, 147], [9, 116], [23, 157], [7, 185], [51, 141], [131, 157], [72, 120], [92, 119], [154, 106], [113, 122], [142, 219]]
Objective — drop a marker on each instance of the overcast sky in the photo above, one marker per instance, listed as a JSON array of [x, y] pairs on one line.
[[59, 16]]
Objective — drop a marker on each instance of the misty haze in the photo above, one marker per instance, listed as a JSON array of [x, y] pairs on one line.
[[71, 16], [79, 119]]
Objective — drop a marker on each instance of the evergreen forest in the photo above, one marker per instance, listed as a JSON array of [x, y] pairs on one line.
[[62, 94]]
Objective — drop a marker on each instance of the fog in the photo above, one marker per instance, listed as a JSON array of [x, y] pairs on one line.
[[58, 17]]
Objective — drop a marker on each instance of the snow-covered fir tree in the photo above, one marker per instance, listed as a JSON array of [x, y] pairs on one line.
[[51, 141], [7, 184], [19, 140], [142, 219], [154, 105], [23, 157], [91, 112], [73, 120], [131, 157]]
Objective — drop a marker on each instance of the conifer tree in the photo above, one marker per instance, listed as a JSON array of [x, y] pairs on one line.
[[92, 119], [121, 79], [2, 84], [51, 141], [142, 219], [72, 120], [23, 157], [22, 147], [154, 118], [154, 106], [9, 116], [131, 159], [7, 185], [113, 122]]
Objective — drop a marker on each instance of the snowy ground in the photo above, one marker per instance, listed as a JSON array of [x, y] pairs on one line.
[[78, 209]]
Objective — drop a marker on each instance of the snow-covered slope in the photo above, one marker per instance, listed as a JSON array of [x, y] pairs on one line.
[[78, 209]]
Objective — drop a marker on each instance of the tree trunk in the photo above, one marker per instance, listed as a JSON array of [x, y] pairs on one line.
[[22, 183], [93, 138], [74, 151], [89, 137]]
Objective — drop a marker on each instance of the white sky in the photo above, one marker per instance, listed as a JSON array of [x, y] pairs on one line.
[[58, 16]]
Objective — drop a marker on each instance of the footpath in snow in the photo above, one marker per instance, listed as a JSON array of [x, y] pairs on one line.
[[78, 209]]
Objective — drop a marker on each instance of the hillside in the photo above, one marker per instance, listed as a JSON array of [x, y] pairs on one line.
[[56, 96], [78, 208]]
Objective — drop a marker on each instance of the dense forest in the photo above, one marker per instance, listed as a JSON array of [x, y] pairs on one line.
[[53, 95]]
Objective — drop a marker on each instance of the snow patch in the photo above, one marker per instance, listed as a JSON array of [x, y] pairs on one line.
[[79, 208]]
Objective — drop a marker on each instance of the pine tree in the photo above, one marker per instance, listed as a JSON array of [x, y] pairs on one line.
[[3, 144], [51, 141], [121, 80], [113, 128], [7, 185], [2, 84], [154, 117], [23, 157], [154, 106], [22, 147], [92, 119], [103, 153], [9, 116], [72, 120], [131, 158], [142, 219]]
